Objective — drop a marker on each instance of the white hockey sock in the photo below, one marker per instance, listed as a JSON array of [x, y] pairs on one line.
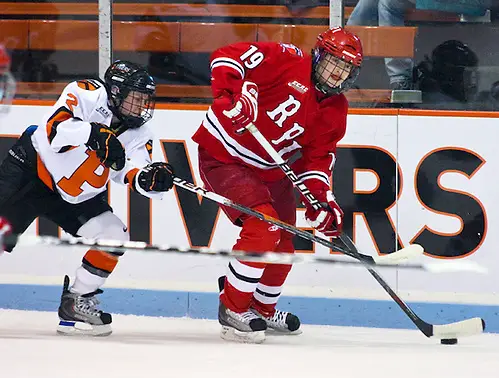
[[86, 282]]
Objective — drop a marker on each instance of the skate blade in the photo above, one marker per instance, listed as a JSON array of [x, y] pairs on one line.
[[283, 332], [232, 334], [69, 328]]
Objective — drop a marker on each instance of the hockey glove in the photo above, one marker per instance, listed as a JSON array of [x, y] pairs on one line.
[[157, 177], [107, 146], [328, 220], [245, 111]]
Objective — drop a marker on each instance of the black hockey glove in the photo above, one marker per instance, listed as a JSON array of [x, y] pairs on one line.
[[107, 147], [156, 177]]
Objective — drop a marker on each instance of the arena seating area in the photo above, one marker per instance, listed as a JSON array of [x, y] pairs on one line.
[[55, 42]]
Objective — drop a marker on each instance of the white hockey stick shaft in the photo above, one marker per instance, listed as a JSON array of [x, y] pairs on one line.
[[266, 257]]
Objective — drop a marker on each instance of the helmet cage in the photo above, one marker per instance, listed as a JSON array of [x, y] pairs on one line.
[[131, 105], [132, 93], [323, 65]]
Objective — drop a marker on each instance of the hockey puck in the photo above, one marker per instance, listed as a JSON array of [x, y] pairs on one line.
[[448, 341]]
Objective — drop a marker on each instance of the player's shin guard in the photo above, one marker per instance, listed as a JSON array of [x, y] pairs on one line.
[[269, 289], [79, 315], [97, 265], [242, 276], [238, 322]]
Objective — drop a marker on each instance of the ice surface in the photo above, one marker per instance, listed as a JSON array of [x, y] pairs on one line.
[[180, 347]]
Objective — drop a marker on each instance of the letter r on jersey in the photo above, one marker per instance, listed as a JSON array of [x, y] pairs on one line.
[[284, 110]]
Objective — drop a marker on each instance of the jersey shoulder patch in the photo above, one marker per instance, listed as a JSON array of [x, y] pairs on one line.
[[291, 49], [89, 84]]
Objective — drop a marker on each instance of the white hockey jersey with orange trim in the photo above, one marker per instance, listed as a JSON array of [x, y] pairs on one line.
[[66, 164]]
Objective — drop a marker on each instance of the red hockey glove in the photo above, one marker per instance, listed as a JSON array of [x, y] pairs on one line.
[[246, 109], [328, 220]]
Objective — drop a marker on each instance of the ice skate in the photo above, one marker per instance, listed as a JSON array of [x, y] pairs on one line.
[[79, 316], [245, 327], [281, 321]]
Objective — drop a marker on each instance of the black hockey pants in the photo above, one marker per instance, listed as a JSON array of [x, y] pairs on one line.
[[24, 197]]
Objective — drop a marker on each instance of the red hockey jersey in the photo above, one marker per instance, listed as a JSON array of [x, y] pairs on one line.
[[292, 114]]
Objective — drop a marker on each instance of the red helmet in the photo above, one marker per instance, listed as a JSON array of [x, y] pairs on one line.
[[337, 57], [7, 83]]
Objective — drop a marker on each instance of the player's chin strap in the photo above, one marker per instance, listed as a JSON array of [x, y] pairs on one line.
[[464, 328]]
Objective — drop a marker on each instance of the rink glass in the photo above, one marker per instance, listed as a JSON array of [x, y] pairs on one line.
[[54, 42]]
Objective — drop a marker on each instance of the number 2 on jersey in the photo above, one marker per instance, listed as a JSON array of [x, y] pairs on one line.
[[71, 101], [85, 173]]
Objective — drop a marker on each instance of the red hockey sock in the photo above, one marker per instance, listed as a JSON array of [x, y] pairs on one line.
[[269, 288], [243, 277]]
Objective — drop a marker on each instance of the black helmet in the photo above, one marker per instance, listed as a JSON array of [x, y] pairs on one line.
[[125, 78], [454, 68]]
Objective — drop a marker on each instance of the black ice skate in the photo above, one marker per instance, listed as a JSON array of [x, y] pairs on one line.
[[244, 327], [281, 321], [79, 316]]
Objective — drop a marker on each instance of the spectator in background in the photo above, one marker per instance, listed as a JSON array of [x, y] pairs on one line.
[[7, 83], [449, 78], [387, 13]]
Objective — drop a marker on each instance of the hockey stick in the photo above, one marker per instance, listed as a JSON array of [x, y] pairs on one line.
[[394, 258], [267, 257], [446, 331]]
